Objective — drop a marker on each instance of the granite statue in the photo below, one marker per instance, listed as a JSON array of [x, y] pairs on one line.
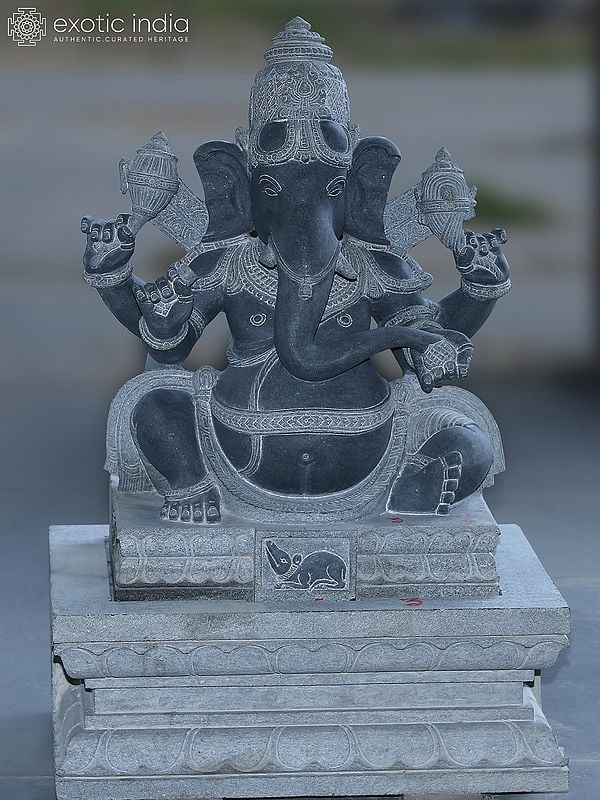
[[297, 244]]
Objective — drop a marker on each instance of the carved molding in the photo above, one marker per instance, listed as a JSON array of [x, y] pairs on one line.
[[414, 539], [227, 571], [137, 659], [320, 749], [383, 570], [217, 542]]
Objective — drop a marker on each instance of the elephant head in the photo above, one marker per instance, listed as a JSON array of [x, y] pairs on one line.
[[298, 208]]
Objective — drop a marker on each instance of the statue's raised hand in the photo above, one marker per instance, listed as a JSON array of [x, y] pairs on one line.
[[109, 245], [442, 361], [166, 306], [481, 261]]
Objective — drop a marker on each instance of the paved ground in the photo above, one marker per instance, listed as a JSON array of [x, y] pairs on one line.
[[61, 138]]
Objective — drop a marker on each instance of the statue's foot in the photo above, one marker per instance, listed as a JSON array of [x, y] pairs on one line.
[[200, 508], [429, 489]]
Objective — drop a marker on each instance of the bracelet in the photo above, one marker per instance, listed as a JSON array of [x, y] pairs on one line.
[[161, 344], [197, 322], [426, 324], [484, 291], [414, 315], [106, 280]]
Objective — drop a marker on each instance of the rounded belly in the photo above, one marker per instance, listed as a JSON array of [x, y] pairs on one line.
[[298, 437]]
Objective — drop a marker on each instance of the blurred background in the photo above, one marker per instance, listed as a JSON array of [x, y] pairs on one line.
[[507, 87]]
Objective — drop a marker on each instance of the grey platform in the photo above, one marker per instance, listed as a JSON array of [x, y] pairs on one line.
[[226, 698]]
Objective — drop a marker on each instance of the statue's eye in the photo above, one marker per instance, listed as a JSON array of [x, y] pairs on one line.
[[335, 136], [272, 136], [269, 185], [336, 186]]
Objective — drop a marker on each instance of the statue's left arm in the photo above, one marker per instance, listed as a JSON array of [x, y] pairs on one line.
[[485, 277], [399, 303]]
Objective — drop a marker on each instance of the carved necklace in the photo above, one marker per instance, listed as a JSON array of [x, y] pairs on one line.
[[306, 282], [246, 272]]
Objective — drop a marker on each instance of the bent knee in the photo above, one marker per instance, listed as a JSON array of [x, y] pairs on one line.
[[477, 448], [158, 405]]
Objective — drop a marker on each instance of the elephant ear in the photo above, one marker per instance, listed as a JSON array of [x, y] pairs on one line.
[[222, 170], [373, 164]]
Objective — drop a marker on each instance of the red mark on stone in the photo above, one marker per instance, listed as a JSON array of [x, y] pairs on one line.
[[396, 519], [412, 601], [318, 599]]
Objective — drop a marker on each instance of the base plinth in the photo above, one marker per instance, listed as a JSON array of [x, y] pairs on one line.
[[386, 555], [226, 698]]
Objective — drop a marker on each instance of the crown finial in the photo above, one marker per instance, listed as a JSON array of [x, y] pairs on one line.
[[297, 22], [297, 42], [443, 160], [158, 144]]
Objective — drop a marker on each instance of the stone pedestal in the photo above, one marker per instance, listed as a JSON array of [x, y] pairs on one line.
[[215, 698], [385, 555]]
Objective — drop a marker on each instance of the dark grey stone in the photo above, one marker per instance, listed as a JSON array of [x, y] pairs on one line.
[[309, 564], [297, 244]]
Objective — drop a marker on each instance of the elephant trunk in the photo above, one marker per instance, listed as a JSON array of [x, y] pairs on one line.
[[305, 259]]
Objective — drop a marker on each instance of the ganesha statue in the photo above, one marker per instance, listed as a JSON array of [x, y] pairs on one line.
[[316, 571], [297, 244]]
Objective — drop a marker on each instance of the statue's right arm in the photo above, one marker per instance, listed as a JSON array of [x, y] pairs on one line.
[[122, 304], [166, 314], [107, 266], [173, 316]]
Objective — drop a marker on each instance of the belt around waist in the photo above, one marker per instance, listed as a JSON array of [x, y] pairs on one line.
[[311, 420]]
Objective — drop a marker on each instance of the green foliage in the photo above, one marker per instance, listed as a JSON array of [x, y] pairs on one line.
[[500, 208], [420, 47]]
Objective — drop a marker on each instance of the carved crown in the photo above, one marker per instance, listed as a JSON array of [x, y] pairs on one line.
[[297, 84]]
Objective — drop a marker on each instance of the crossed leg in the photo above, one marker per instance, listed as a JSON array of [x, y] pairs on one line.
[[164, 430], [449, 466]]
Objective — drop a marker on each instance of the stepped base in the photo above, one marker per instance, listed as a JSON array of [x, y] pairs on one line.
[[224, 698]]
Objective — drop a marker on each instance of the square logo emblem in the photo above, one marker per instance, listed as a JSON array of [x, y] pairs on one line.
[[26, 27]]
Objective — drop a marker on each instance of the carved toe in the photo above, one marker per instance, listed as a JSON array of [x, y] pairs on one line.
[[198, 513], [212, 513]]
